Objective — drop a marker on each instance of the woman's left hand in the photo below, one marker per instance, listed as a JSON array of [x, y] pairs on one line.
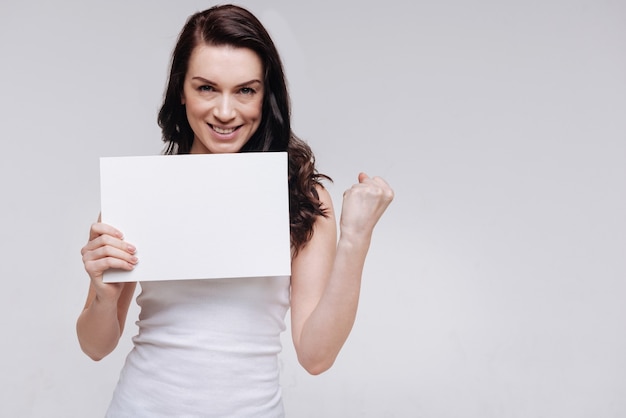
[[363, 205]]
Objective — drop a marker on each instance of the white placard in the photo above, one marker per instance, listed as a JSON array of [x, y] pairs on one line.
[[199, 216]]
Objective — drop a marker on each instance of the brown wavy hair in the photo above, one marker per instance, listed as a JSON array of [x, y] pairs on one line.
[[235, 26]]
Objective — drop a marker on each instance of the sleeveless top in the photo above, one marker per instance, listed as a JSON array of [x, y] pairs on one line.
[[205, 348]]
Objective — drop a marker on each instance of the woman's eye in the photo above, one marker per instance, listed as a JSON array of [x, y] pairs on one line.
[[205, 88], [247, 90]]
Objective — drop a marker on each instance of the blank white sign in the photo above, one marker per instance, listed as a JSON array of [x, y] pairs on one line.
[[199, 216]]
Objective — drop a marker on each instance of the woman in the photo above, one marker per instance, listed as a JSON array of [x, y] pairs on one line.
[[209, 347]]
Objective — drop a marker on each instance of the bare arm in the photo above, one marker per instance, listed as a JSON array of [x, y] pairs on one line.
[[101, 323], [326, 273]]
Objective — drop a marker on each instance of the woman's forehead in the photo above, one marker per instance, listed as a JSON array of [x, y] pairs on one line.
[[225, 62]]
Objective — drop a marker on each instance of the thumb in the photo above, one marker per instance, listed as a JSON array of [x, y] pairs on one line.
[[363, 177]]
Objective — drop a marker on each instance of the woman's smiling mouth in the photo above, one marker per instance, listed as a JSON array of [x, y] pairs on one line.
[[223, 131]]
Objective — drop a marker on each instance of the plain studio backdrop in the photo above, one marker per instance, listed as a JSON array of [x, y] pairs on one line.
[[496, 282]]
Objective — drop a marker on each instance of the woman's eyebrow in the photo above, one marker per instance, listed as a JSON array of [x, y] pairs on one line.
[[202, 79]]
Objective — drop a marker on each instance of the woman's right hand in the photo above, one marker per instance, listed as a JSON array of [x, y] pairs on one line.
[[106, 249]]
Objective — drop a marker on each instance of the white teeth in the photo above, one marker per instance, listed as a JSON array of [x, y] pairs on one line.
[[223, 131]]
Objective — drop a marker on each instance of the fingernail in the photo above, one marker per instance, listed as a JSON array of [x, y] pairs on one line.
[[130, 248], [134, 259]]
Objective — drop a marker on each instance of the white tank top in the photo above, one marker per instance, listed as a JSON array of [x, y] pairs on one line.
[[205, 348]]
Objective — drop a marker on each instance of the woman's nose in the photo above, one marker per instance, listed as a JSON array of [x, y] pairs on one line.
[[224, 109]]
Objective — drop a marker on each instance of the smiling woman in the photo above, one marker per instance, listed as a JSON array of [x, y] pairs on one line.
[[209, 347]]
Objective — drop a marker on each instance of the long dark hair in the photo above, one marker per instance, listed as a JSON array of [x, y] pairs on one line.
[[235, 26]]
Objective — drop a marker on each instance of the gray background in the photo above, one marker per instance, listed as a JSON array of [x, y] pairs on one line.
[[496, 282]]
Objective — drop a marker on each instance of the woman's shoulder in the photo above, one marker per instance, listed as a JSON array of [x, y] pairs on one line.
[[326, 202]]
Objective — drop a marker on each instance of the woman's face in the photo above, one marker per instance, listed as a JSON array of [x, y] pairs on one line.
[[223, 97]]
